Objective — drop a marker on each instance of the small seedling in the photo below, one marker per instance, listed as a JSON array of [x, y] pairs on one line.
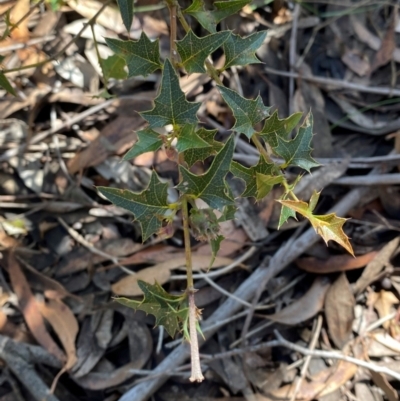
[[192, 143]]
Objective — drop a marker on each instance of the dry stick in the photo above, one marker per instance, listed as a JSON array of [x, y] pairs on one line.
[[246, 291], [336, 82], [383, 179], [20, 359], [308, 358], [74, 120], [193, 318], [292, 55], [281, 342], [77, 237], [31, 42], [355, 162]]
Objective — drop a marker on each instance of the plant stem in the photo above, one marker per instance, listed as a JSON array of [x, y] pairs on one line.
[[261, 148], [193, 314], [172, 6]]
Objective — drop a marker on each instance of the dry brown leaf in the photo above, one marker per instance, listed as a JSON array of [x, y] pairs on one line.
[[306, 307], [357, 62], [380, 380], [30, 309], [21, 33], [161, 273], [337, 263], [65, 325], [110, 18], [386, 340], [365, 36], [374, 267], [325, 383], [234, 240], [383, 302], [11, 330], [385, 53], [154, 254], [114, 136], [339, 310]]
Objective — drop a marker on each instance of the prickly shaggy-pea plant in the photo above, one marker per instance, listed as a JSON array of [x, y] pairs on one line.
[[190, 143]]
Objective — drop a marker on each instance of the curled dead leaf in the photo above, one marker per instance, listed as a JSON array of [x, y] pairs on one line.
[[339, 310], [306, 307], [337, 263], [161, 272]]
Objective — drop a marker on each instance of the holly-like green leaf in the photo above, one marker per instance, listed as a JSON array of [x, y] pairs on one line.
[[247, 112], [142, 56], [126, 10], [286, 213], [194, 50], [171, 106], [189, 139], [242, 51], [113, 67], [200, 154], [274, 127], [265, 183], [215, 245], [210, 18], [297, 152], [148, 141], [249, 175], [329, 227], [5, 84], [169, 310], [210, 186], [149, 206]]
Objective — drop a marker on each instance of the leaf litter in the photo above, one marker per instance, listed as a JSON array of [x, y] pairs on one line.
[[65, 301]]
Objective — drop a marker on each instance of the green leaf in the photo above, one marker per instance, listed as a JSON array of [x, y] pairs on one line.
[[5, 84], [215, 245], [113, 67], [265, 183], [286, 213], [171, 106], [189, 139], [329, 227], [126, 10], [169, 310], [249, 175], [209, 19], [241, 51], [200, 154], [142, 56], [149, 206], [247, 112], [194, 50], [148, 141], [210, 186], [274, 127], [297, 152]]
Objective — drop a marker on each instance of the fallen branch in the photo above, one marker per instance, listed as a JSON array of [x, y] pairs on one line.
[[20, 359]]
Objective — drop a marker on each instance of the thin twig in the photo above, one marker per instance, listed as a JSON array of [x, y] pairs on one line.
[[336, 82], [281, 342], [292, 54], [77, 237], [250, 252], [336, 355], [307, 361]]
